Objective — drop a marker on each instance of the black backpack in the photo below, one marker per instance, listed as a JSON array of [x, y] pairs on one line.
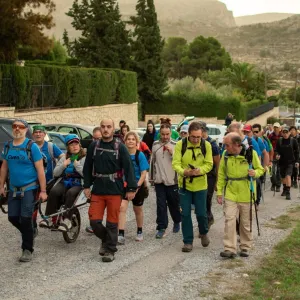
[[184, 146]]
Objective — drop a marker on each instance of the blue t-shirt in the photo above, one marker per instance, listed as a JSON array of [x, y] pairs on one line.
[[143, 165], [267, 145], [21, 169], [50, 163], [261, 145]]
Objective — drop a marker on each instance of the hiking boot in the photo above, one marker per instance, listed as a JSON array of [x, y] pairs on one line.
[[244, 253], [204, 240], [176, 227], [284, 192], [227, 254], [26, 256], [65, 225], [161, 233], [46, 223], [139, 237], [288, 195], [89, 229], [277, 189], [187, 248], [108, 257], [102, 250], [295, 185], [121, 240]]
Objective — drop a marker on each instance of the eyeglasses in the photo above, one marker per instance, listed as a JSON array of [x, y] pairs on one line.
[[255, 131], [15, 126]]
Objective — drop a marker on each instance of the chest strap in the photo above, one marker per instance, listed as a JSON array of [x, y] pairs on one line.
[[22, 189], [112, 177]]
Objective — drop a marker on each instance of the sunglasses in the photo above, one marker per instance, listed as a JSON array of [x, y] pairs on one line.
[[255, 131], [15, 126]]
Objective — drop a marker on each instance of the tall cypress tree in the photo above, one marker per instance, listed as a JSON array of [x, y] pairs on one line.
[[147, 46], [105, 42]]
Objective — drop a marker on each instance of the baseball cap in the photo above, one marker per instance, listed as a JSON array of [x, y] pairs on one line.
[[276, 125], [247, 127], [285, 128], [184, 128]]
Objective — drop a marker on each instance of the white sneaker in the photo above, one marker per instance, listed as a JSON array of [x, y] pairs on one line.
[[121, 240], [46, 223], [65, 225], [139, 237]]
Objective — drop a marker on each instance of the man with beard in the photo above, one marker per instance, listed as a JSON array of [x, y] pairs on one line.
[[22, 159], [107, 162]]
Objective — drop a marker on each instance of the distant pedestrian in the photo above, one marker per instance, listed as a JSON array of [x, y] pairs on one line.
[[121, 123], [151, 134], [228, 119]]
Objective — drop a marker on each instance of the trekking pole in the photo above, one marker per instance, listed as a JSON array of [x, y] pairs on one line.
[[252, 199]]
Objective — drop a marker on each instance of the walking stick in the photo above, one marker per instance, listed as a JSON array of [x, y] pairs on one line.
[[252, 200]]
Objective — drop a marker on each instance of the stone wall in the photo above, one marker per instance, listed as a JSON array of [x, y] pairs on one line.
[[84, 115], [156, 118], [7, 112]]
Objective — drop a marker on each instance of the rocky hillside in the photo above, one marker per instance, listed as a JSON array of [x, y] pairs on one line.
[[260, 18], [212, 13]]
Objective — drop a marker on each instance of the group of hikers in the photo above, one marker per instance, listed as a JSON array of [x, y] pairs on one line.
[[185, 167]]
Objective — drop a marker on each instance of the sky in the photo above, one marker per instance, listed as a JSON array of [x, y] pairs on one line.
[[251, 7]]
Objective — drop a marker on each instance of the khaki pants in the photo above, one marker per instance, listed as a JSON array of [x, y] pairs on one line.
[[231, 211]]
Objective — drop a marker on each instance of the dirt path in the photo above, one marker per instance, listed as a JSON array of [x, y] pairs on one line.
[[153, 268]]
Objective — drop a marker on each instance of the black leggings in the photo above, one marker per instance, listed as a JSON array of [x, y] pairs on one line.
[[59, 194]]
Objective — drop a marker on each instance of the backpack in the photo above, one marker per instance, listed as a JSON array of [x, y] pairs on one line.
[[27, 149], [117, 143], [292, 143], [184, 146]]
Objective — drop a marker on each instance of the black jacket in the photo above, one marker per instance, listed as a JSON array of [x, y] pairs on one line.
[[105, 162], [288, 150]]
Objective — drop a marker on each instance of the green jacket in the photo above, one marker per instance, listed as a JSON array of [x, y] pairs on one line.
[[237, 167], [174, 135], [205, 164]]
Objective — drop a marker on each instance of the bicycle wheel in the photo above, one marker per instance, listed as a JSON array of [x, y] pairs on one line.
[[72, 235]]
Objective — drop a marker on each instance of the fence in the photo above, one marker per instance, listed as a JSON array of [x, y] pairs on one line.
[[255, 112]]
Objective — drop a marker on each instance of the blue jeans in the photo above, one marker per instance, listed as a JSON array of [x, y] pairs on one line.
[[199, 200], [20, 211]]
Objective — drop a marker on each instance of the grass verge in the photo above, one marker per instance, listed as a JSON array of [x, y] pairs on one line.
[[279, 275]]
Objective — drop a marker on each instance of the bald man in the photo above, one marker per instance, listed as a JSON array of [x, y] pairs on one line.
[[107, 162]]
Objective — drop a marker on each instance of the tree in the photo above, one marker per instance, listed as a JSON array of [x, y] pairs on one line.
[[21, 25], [147, 49], [204, 54], [173, 52], [105, 42]]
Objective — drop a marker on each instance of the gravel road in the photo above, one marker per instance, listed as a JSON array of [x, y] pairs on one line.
[[152, 268]]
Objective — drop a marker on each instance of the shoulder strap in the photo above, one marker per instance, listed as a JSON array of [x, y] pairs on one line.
[[203, 147], [95, 148], [137, 153], [51, 150], [7, 146], [28, 149], [117, 143], [184, 146]]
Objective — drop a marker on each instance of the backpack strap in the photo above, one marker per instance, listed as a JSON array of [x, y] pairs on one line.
[[137, 160], [28, 149], [203, 147], [184, 146], [7, 147], [51, 150]]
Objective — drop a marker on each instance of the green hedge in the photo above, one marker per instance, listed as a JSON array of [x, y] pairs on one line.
[[65, 86], [201, 104]]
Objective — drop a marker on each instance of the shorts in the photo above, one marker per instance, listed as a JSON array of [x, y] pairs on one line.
[[286, 170], [139, 197]]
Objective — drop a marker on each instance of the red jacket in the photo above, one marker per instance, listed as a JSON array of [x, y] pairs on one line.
[[274, 138]]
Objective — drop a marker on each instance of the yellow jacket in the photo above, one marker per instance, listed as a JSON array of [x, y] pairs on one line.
[[237, 167], [205, 165]]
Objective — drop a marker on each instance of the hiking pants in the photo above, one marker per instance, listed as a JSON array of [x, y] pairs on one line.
[[20, 211], [211, 182], [109, 233], [58, 195], [166, 196], [277, 178], [231, 210], [199, 200]]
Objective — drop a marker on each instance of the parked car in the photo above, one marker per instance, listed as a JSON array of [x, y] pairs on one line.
[[58, 139], [217, 132], [85, 132]]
